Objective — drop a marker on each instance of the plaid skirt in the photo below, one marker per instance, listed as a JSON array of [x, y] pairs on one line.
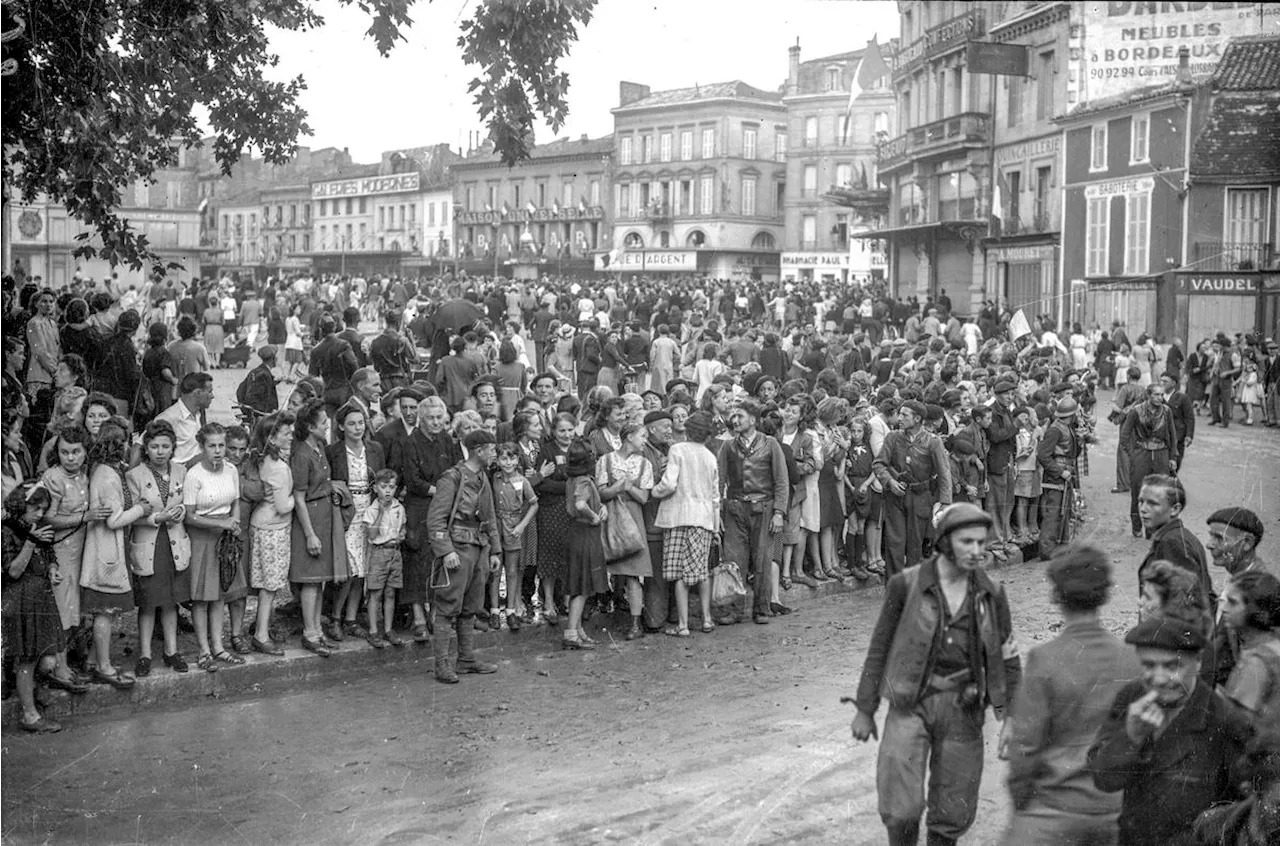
[[685, 554]]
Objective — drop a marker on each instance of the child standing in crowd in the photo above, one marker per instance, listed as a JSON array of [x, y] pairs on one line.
[[384, 521], [1250, 390], [517, 506]]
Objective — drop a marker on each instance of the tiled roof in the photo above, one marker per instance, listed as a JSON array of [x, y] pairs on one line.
[[560, 147], [1250, 63], [1127, 98], [736, 89], [1238, 139]]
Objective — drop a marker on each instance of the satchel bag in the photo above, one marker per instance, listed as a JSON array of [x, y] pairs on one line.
[[622, 537], [229, 549]]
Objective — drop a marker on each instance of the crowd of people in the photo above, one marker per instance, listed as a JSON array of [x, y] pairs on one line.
[[501, 455]]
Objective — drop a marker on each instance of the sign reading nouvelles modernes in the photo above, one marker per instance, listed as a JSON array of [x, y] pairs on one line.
[[393, 184]]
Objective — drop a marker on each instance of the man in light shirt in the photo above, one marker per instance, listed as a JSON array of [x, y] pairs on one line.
[[187, 415]]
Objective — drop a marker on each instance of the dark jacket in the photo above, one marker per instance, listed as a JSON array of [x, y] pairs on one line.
[[374, 458], [909, 633], [1057, 453], [1002, 434], [334, 361], [1175, 543], [258, 390], [1134, 433], [1168, 781], [1184, 418]]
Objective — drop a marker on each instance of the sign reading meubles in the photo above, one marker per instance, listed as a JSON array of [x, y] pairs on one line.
[[1130, 45]]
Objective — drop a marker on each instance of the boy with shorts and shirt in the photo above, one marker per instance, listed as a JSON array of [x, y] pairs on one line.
[[386, 520]]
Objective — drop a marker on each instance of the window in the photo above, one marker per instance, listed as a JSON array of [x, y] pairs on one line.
[[1014, 111], [324, 235], [306, 242], [363, 235], [664, 147], [842, 129], [293, 243], [293, 214], [413, 212], [624, 152], [810, 189], [595, 192], [362, 205], [633, 241], [686, 145], [516, 192], [1096, 236], [763, 241], [748, 143], [940, 94], [382, 217], [431, 214], [350, 206], [686, 196], [708, 143], [1245, 229], [779, 198], [306, 212], [882, 123], [708, 198], [540, 189], [808, 232], [1044, 180], [749, 195], [471, 198], [780, 147], [1136, 230], [811, 131], [1044, 86], [905, 110], [1139, 138], [493, 196], [844, 174], [1098, 148], [647, 145], [1014, 218], [566, 194], [348, 241], [623, 200], [645, 196], [833, 79], [633, 208]]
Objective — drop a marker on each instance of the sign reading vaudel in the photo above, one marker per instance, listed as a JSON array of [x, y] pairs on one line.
[[1231, 284]]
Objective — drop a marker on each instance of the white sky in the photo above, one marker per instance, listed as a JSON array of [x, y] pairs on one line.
[[418, 95]]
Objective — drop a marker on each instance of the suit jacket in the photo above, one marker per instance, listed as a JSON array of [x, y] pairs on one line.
[[1174, 542], [374, 458], [387, 437], [1184, 418]]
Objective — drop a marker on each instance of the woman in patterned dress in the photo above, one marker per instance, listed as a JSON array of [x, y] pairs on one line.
[[625, 478], [271, 522], [352, 463], [553, 520], [159, 549]]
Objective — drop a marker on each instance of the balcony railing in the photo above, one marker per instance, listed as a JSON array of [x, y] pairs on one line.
[[1023, 225], [809, 245], [1234, 255], [940, 136], [658, 212]]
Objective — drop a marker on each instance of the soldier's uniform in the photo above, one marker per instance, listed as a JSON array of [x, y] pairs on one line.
[[1058, 453], [921, 464]]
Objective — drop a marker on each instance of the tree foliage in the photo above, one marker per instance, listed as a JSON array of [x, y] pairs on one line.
[[101, 93]]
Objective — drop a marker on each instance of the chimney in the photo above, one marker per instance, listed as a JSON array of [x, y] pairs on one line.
[[793, 68], [584, 138], [1184, 66], [630, 92]]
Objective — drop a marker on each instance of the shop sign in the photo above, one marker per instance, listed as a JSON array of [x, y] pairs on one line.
[[1122, 284], [1120, 187], [1029, 149], [833, 260], [1231, 284], [645, 261], [362, 187], [1129, 45], [497, 218], [942, 38], [1021, 253]]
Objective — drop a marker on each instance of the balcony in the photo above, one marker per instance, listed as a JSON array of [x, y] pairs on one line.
[[1014, 224], [1233, 255], [941, 137], [658, 212]]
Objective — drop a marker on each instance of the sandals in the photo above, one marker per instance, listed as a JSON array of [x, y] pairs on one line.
[[118, 680], [229, 658], [240, 645], [676, 631], [785, 582], [205, 662], [708, 627]]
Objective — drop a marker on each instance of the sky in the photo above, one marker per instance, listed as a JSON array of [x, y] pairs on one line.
[[418, 95]]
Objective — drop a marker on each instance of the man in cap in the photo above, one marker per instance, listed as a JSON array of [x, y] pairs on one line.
[[1058, 456], [1234, 535], [753, 471], [1068, 685], [910, 467], [942, 651], [587, 357], [461, 525], [657, 591], [1170, 740], [1002, 436], [1227, 365]]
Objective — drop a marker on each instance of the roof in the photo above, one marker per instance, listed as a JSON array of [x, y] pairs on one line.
[[1238, 138], [1250, 63], [1131, 97], [560, 147], [355, 171], [734, 90], [250, 197]]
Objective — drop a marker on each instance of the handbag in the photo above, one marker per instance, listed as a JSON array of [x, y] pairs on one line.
[[622, 537], [144, 401], [1116, 416], [229, 549]]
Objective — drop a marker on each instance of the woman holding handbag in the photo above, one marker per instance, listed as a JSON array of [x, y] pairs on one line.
[[625, 479], [211, 498]]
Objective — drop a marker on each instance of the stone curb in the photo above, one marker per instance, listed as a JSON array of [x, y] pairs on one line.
[[265, 675]]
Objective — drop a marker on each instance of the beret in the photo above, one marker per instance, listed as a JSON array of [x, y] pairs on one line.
[[478, 438], [655, 416], [933, 412], [1081, 571], [1166, 631], [916, 407], [1004, 386], [952, 398], [1238, 518]]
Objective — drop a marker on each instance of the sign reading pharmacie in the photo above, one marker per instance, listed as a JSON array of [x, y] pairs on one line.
[[1128, 45], [648, 261], [1215, 284], [568, 213], [832, 260], [395, 184]]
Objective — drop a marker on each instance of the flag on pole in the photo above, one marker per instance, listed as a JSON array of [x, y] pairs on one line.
[[488, 207], [582, 205], [532, 209], [555, 206], [997, 206], [871, 67], [506, 209], [1018, 325]]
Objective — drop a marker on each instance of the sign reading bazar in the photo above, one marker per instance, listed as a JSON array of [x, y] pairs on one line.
[[1237, 284], [394, 184], [1130, 45]]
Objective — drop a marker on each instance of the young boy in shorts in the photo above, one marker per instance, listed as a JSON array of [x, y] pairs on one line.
[[386, 520]]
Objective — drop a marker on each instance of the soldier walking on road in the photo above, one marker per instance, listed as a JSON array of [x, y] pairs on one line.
[[909, 467], [461, 524], [943, 649]]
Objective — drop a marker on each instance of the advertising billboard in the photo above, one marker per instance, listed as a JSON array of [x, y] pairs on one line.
[[1128, 45]]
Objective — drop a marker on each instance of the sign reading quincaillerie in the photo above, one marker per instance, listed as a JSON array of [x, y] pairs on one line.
[[394, 184], [1130, 45]]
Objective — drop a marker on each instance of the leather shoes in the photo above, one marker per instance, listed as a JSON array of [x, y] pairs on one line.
[[804, 579], [760, 619], [266, 648], [317, 647], [779, 609]]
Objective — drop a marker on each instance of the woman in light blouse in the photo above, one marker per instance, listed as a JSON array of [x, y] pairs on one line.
[[271, 523], [159, 550], [212, 501]]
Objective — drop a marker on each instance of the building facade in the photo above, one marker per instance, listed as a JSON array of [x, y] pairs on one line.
[[700, 181], [830, 149], [550, 211]]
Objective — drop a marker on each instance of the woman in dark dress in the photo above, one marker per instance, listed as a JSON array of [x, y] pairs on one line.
[[315, 556], [584, 547], [1198, 374], [552, 519], [158, 367], [77, 336], [118, 373]]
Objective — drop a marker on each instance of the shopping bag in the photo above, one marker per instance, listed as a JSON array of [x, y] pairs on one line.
[[622, 537]]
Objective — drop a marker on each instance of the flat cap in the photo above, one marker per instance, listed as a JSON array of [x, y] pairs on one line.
[[1173, 632]]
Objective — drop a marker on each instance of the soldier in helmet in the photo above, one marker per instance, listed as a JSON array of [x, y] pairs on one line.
[[1058, 455], [942, 651]]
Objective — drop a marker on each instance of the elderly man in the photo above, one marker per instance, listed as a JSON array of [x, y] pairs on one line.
[[911, 466], [1234, 535], [186, 416], [1170, 740], [366, 392], [942, 651]]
